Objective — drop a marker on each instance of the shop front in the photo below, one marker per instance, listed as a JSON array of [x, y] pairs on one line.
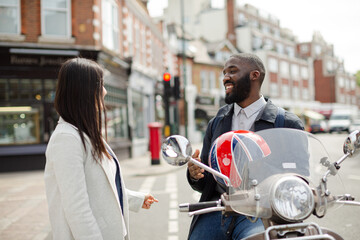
[[27, 91], [116, 73]]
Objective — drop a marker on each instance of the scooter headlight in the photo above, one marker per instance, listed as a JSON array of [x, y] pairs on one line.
[[292, 199]]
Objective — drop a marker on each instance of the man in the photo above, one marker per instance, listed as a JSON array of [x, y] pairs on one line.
[[246, 109]]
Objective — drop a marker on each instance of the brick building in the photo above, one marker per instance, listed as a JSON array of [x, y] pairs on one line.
[[36, 36]]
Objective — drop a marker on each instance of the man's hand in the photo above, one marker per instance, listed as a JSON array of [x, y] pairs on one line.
[[149, 199], [195, 171]]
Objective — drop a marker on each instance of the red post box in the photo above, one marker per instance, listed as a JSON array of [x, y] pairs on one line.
[[155, 142]]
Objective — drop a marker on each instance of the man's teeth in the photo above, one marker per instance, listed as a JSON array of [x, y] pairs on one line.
[[228, 87]]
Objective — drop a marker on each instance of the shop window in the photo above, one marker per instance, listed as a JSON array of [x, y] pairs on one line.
[[19, 125], [14, 89], [138, 114], [36, 89], [25, 92], [3, 90], [49, 89], [10, 17], [116, 113], [55, 18], [116, 122]]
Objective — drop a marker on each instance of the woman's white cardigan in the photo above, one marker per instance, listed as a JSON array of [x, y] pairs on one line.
[[82, 196]]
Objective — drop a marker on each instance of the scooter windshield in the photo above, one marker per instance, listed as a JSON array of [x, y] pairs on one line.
[[259, 161]]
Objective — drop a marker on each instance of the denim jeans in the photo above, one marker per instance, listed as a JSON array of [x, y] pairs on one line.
[[214, 226]]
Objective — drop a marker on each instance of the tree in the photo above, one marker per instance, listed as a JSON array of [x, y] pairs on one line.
[[357, 75]]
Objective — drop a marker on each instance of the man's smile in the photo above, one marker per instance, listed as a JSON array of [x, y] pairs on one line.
[[228, 87]]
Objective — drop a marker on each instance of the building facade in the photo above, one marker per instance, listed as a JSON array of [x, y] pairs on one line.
[[40, 35]]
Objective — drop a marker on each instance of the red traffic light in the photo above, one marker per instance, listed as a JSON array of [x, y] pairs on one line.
[[166, 77]]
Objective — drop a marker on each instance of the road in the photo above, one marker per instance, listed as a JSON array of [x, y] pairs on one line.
[[164, 222]]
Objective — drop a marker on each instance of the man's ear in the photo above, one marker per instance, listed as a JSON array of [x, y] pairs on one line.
[[254, 75]]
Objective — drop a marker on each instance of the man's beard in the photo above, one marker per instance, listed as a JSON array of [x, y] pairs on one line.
[[240, 91]]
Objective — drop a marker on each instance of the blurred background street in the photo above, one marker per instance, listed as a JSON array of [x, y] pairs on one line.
[[163, 62]]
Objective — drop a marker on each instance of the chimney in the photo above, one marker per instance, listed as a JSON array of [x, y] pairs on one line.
[[230, 10]]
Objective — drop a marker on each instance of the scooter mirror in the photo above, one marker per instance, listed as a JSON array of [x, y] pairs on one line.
[[176, 150], [352, 143]]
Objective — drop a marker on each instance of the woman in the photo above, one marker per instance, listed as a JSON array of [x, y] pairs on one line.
[[86, 195]]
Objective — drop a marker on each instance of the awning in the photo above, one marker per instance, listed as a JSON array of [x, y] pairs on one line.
[[314, 115]]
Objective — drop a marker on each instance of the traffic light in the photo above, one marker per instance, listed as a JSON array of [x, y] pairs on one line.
[[167, 77], [167, 86], [176, 89]]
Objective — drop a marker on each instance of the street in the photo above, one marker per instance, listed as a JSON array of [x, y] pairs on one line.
[[23, 208]]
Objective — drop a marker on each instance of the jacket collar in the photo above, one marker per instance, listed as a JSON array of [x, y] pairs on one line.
[[268, 113]]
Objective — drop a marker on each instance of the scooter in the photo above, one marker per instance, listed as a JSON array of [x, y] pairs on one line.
[[280, 175]]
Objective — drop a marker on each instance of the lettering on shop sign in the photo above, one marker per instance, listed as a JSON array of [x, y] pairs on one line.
[[40, 61]]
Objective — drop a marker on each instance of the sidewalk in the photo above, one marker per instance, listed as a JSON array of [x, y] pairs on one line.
[[23, 206]]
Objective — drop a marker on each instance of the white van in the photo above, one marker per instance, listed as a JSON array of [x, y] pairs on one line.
[[340, 121]]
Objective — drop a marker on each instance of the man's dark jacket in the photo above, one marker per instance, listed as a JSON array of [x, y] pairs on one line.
[[265, 120]]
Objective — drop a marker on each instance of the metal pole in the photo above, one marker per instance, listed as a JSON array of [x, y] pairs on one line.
[[184, 64]]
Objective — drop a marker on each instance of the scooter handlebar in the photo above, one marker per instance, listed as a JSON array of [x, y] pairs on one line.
[[190, 207]]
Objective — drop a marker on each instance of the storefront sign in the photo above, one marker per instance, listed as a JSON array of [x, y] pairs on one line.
[[36, 60]]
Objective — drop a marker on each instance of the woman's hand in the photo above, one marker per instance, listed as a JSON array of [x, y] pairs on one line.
[[149, 199]]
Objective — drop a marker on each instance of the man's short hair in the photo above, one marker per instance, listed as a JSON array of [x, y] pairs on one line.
[[253, 61]]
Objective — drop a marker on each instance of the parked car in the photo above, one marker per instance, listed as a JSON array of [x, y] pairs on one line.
[[355, 125], [318, 127], [339, 122]]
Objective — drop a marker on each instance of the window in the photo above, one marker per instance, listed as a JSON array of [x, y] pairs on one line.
[[341, 82], [241, 19], [10, 16], [137, 41], [284, 68], [295, 71], [290, 51], [285, 91], [268, 44], [274, 90], [353, 84], [273, 65], [329, 66], [280, 48], [138, 114], [305, 94], [304, 48], [265, 28], [204, 81], [129, 29], [212, 80], [110, 21], [256, 42], [296, 92], [277, 32], [304, 73], [221, 56], [55, 18], [317, 49]]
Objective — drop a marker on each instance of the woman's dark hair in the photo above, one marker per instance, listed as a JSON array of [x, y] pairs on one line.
[[79, 101]]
